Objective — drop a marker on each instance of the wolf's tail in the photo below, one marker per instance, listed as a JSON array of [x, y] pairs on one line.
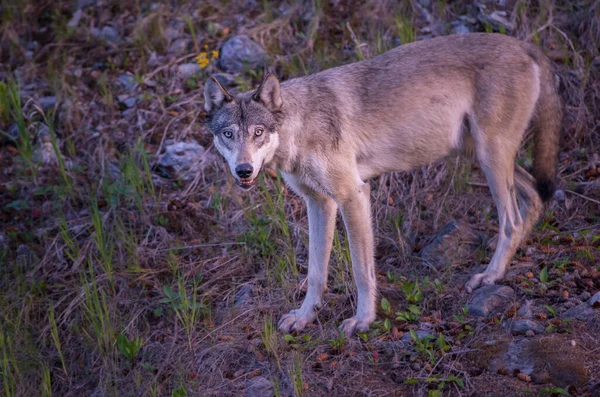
[[547, 128]]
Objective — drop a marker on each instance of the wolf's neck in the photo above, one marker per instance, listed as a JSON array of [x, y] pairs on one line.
[[287, 156]]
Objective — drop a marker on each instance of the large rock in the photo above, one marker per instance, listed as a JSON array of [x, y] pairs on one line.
[[522, 326], [240, 54], [594, 300], [489, 298], [580, 312], [553, 359], [452, 242], [182, 158]]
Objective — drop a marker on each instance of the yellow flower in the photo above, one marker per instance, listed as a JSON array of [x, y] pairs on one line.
[[202, 60], [215, 54]]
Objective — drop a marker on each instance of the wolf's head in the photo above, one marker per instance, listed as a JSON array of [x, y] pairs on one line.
[[245, 126]]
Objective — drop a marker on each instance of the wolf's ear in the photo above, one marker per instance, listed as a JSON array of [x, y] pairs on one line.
[[215, 95], [269, 93]]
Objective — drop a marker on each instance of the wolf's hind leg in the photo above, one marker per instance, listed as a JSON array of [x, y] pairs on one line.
[[500, 173], [322, 212]]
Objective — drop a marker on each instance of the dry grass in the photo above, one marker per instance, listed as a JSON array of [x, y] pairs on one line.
[[116, 280]]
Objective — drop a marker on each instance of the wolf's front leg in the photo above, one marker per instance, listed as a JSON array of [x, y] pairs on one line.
[[322, 211], [356, 211]]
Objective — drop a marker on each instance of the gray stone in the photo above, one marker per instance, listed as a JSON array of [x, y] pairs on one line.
[[526, 311], [13, 132], [453, 241], [47, 103], [422, 333], [127, 81], [551, 359], [240, 54], [243, 295], [522, 326], [187, 70], [500, 18], [594, 300], [179, 46], [128, 101], [559, 195], [108, 33], [183, 158], [85, 3], [461, 29], [489, 298], [579, 312], [259, 387], [585, 296], [74, 21]]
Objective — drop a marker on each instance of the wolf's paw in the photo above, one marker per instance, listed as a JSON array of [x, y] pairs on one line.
[[481, 279], [355, 324], [296, 320]]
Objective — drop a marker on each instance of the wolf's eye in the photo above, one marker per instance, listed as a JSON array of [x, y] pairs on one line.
[[227, 134], [258, 131]]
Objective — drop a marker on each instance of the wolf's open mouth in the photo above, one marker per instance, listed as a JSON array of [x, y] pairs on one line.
[[245, 184]]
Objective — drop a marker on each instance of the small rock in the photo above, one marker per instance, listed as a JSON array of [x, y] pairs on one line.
[[407, 337], [108, 33], [579, 312], [183, 158], [12, 132], [243, 295], [179, 46], [595, 300], [128, 101], [461, 28], [523, 326], [526, 310], [187, 70], [529, 334], [559, 195], [259, 387], [74, 21], [500, 18], [585, 296], [488, 298], [240, 54], [415, 366], [127, 81], [47, 103], [85, 3]]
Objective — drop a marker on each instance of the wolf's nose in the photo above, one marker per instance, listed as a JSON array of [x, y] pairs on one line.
[[244, 170]]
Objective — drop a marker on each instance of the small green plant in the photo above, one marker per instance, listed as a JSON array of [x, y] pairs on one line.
[[187, 308], [338, 344], [385, 306], [270, 339], [303, 342], [296, 376], [406, 32], [545, 282], [412, 291], [55, 339], [411, 315], [179, 392], [129, 349]]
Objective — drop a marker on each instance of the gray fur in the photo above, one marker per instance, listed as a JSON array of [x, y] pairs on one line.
[[331, 132]]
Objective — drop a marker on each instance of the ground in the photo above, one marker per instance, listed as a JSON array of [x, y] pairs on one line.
[[127, 272]]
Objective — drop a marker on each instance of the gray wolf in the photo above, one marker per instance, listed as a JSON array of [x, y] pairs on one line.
[[330, 132]]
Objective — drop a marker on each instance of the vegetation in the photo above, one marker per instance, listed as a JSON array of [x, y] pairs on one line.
[[119, 278]]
